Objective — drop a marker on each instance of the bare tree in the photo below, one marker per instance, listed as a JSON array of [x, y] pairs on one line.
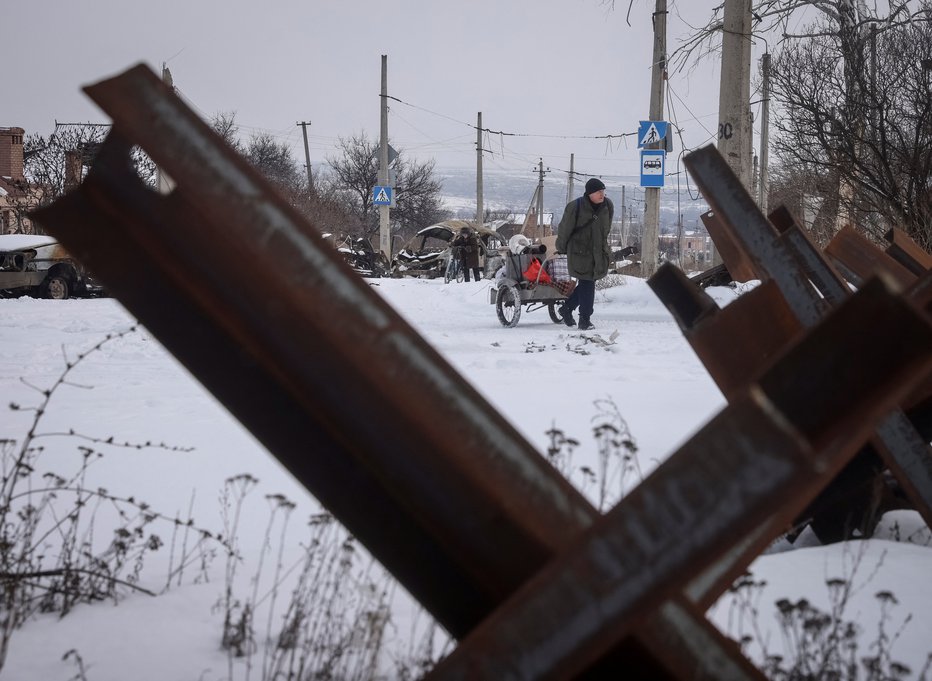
[[355, 175], [859, 123], [851, 112], [57, 163]]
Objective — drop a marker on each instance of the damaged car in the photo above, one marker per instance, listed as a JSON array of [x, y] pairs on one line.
[[428, 252], [39, 266]]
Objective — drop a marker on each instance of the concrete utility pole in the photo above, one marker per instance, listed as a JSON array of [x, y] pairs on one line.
[[307, 157], [385, 238], [540, 198], [624, 222], [479, 207], [734, 98], [569, 181], [658, 74], [764, 186]]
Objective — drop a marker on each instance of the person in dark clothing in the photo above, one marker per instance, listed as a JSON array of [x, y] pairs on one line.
[[583, 237], [466, 243]]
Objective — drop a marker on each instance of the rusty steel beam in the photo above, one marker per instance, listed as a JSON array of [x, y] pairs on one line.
[[759, 325], [437, 484], [907, 252], [772, 449], [741, 264], [858, 258], [789, 255], [236, 285]]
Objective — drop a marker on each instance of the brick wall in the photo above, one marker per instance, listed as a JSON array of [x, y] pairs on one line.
[[11, 153]]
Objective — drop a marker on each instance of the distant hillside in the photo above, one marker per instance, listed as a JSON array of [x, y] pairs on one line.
[[513, 190]]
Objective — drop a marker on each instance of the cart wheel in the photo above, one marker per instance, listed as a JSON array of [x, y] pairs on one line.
[[460, 273], [448, 273], [508, 305], [554, 310]]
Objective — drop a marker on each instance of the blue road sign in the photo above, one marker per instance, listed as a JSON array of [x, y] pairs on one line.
[[651, 132], [653, 162], [381, 196]]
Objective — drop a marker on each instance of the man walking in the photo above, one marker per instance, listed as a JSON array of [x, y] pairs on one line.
[[583, 236]]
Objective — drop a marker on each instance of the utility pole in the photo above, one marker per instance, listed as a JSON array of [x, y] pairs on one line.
[[764, 186], [479, 207], [624, 224], [307, 157], [540, 198], [658, 74], [385, 239], [734, 99], [569, 181]]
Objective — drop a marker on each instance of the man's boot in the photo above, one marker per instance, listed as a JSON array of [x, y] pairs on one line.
[[567, 315], [585, 324]]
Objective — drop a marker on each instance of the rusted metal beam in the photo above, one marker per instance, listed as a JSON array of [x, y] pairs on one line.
[[428, 476], [907, 252], [741, 264], [810, 285], [437, 484], [759, 326], [752, 231], [858, 258], [771, 449]]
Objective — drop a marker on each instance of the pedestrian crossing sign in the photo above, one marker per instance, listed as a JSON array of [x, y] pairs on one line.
[[651, 132], [381, 196]]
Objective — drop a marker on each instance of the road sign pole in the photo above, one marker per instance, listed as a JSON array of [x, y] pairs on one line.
[[649, 254], [385, 239]]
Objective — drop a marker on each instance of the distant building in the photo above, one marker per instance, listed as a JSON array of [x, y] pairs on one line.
[[694, 251], [15, 199]]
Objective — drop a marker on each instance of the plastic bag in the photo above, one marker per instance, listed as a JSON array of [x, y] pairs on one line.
[[534, 273]]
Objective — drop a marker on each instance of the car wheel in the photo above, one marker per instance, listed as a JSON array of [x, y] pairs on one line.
[[55, 288], [508, 305]]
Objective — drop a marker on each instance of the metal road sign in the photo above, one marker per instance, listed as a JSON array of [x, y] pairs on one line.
[[652, 167], [381, 196], [651, 132]]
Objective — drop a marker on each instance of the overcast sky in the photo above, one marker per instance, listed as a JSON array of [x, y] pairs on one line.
[[550, 70]]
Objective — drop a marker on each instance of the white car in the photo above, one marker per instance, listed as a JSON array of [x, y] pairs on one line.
[[38, 265]]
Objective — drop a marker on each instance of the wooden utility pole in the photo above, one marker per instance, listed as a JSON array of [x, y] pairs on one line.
[[307, 156], [569, 181], [649, 255], [764, 186], [479, 207], [385, 238]]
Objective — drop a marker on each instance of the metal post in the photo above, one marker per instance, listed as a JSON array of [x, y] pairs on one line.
[[385, 240]]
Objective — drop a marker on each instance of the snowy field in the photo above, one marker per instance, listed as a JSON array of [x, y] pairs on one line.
[[134, 391]]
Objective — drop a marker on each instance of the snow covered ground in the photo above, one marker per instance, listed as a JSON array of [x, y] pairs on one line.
[[134, 391]]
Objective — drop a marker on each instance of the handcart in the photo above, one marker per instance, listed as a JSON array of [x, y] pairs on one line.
[[514, 289]]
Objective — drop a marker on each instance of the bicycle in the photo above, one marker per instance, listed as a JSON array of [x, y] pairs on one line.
[[454, 269]]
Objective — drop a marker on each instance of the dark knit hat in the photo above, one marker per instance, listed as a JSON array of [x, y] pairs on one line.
[[594, 185]]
